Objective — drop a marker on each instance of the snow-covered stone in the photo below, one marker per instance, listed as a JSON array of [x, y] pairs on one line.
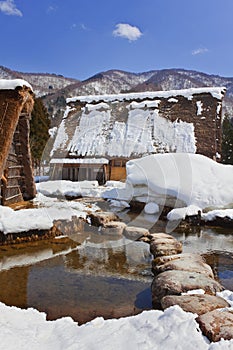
[[151, 208]]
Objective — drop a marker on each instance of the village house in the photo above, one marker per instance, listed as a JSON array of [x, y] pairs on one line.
[[16, 173], [99, 134]]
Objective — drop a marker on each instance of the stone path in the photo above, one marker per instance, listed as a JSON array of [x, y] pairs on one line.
[[176, 274]]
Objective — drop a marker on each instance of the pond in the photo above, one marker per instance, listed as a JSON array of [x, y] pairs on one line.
[[90, 274]]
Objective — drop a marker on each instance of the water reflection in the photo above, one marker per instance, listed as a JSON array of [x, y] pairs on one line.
[[216, 245], [81, 280], [89, 274], [204, 239]]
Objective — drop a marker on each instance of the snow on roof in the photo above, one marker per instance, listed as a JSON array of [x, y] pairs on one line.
[[79, 161], [99, 134], [11, 84], [216, 92]]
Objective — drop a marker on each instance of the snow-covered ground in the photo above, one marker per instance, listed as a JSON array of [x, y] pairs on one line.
[[188, 182], [171, 329], [194, 181]]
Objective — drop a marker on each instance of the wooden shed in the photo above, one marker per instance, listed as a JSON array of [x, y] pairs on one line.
[[16, 173]]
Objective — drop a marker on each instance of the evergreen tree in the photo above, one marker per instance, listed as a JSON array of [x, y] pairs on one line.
[[39, 135], [227, 140]]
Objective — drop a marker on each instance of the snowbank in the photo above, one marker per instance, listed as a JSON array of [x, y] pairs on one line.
[[191, 179], [213, 214], [187, 182], [171, 329], [63, 188], [42, 218], [181, 213], [24, 220]]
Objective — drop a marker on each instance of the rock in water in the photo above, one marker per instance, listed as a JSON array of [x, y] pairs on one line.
[[113, 228], [183, 262], [164, 244], [102, 218], [197, 304], [135, 233], [175, 282]]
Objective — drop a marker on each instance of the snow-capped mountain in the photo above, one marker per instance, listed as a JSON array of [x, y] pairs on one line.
[[56, 88], [43, 83]]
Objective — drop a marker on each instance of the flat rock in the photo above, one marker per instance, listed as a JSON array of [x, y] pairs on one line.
[[217, 324], [175, 282], [113, 228], [164, 244], [135, 233], [102, 218], [163, 259], [188, 262], [197, 304], [159, 235]]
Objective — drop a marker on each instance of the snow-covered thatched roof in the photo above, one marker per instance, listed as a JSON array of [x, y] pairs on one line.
[[134, 124]]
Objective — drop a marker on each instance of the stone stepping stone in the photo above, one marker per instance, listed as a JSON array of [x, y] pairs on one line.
[[102, 218], [195, 303], [183, 262], [217, 324], [135, 233], [164, 244], [163, 259], [176, 282], [113, 228]]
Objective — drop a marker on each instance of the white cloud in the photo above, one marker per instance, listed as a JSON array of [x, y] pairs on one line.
[[200, 51], [8, 7], [127, 31]]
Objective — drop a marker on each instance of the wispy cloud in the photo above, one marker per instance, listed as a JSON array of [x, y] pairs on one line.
[[51, 9], [83, 27], [127, 31], [8, 7], [80, 26], [200, 51]]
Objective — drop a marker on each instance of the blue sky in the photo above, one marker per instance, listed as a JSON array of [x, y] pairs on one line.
[[79, 38]]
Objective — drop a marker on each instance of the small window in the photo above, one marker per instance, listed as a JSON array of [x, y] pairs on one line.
[[117, 163]]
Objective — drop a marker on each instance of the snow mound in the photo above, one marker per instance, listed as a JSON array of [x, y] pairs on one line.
[[171, 329], [190, 179]]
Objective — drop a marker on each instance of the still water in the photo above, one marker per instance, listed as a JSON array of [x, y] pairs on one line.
[[90, 274]]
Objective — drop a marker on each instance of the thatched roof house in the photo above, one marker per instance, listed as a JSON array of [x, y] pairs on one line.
[[116, 128], [16, 174]]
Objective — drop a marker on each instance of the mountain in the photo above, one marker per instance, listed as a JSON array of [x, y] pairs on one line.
[[116, 81], [56, 88], [43, 83]]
